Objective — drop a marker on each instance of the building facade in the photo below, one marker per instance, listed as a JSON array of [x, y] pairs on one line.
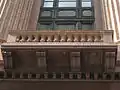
[[59, 44]]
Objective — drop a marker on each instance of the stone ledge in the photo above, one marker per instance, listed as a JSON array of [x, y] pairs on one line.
[[62, 36], [35, 45]]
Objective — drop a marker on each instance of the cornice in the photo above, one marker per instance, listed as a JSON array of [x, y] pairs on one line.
[[50, 45]]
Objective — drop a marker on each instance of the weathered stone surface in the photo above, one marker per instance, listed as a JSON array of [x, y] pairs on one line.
[[7, 85], [15, 16]]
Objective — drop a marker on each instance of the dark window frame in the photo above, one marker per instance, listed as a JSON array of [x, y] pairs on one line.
[[54, 17]]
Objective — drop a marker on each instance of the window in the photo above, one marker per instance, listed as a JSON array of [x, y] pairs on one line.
[[87, 13], [67, 3], [66, 13], [8, 60], [86, 3], [46, 13], [57, 11], [48, 3], [109, 61], [75, 61], [87, 26], [65, 25], [45, 26], [41, 60]]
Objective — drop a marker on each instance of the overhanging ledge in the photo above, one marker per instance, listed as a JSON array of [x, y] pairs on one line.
[[72, 45]]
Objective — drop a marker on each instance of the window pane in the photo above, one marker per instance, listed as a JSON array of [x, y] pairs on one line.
[[66, 13], [86, 4], [48, 4], [75, 61], [67, 4], [67, 0], [49, 0], [86, 26], [87, 13], [44, 26], [65, 27], [46, 13], [109, 61], [86, 0]]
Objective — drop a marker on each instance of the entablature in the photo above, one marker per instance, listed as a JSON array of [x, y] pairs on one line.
[[60, 45]]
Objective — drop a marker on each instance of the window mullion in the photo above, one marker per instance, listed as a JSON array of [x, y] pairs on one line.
[[54, 25], [55, 3], [79, 26], [80, 13]]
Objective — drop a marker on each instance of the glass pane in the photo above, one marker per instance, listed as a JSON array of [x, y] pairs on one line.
[[86, 4], [67, 4], [66, 13], [44, 26], [46, 13], [48, 4], [86, 0], [87, 13], [87, 26], [65, 27], [67, 0], [49, 0]]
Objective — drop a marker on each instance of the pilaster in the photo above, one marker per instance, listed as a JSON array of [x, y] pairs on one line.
[[8, 60]]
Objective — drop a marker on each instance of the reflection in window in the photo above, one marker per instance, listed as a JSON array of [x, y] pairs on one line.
[[46, 13], [66, 13], [67, 0], [86, 3], [87, 26], [66, 27], [87, 13], [49, 0], [44, 26], [48, 4], [67, 4], [41, 60]]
